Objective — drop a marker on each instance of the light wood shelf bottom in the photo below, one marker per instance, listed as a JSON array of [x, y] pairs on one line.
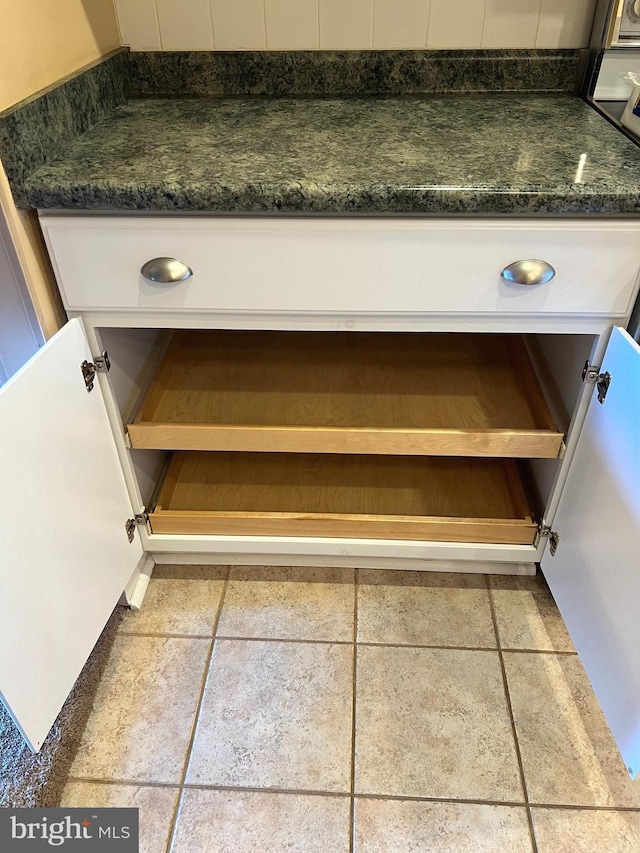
[[334, 392], [364, 497]]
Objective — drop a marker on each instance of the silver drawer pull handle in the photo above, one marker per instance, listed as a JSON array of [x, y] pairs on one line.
[[166, 271], [530, 272]]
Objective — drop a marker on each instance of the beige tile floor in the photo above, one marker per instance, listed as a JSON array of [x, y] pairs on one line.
[[334, 711]]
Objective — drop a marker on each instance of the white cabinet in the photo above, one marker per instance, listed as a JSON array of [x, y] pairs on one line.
[[595, 572], [336, 266], [66, 555], [369, 389]]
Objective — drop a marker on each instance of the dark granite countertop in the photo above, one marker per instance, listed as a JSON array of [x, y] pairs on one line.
[[433, 154]]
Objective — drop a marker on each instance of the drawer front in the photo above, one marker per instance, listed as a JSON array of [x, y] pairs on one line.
[[356, 266]]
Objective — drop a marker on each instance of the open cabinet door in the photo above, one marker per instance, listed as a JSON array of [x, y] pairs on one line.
[[65, 556], [595, 573]]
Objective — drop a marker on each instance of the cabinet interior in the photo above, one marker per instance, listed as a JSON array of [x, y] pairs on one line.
[[558, 361], [377, 497], [134, 355], [432, 436], [437, 394]]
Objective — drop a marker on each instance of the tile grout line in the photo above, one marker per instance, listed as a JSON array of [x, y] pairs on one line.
[[467, 648], [159, 634], [288, 640], [91, 780], [405, 798], [589, 808], [344, 794], [554, 652], [345, 643], [429, 646], [174, 820], [523, 780], [354, 663]]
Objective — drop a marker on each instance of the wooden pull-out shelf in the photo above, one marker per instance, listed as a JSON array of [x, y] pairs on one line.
[[362, 497], [334, 392]]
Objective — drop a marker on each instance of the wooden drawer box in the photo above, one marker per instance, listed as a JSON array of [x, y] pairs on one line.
[[361, 497], [347, 392], [353, 266]]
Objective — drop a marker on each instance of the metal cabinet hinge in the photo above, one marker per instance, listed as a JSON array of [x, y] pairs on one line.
[[130, 527], [100, 364], [132, 523], [544, 531], [600, 380]]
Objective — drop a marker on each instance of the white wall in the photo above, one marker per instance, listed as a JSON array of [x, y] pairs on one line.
[[20, 336], [353, 24], [42, 41]]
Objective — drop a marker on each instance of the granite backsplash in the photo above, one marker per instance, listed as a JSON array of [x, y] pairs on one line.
[[351, 73]]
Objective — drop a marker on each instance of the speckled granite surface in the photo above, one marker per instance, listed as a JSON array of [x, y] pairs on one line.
[[352, 73], [491, 154], [41, 128]]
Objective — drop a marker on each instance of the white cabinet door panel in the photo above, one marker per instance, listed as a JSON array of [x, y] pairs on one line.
[[595, 574], [64, 553]]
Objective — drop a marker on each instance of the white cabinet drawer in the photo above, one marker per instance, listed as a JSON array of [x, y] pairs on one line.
[[360, 265]]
